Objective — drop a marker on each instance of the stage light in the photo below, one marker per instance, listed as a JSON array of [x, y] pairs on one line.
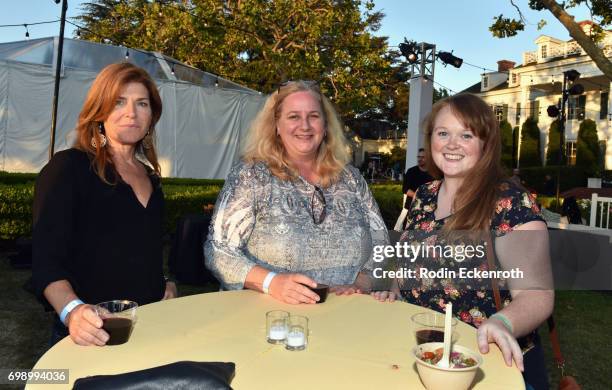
[[450, 59]]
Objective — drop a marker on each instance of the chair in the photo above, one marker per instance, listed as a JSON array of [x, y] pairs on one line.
[[600, 212], [186, 260]]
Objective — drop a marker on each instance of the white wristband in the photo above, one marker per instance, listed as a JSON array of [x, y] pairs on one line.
[[68, 308], [267, 280]]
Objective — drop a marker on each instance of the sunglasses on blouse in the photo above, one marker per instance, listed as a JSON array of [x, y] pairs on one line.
[[317, 206]]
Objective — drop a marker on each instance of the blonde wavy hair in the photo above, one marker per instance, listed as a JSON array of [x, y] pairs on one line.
[[263, 145], [99, 104]]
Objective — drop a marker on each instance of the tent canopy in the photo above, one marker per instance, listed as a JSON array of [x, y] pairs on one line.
[[205, 117]]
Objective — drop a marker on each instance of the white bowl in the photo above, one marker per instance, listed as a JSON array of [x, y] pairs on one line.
[[438, 378]]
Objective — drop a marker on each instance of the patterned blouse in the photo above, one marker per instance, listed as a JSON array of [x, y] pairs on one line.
[[260, 219], [472, 299]]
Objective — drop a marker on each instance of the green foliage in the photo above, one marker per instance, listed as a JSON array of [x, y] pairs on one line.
[[389, 198], [182, 196], [587, 148], [506, 27], [571, 177], [552, 153], [530, 144], [506, 141], [262, 43]]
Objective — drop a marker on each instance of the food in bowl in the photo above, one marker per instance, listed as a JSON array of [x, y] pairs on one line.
[[464, 365], [457, 359]]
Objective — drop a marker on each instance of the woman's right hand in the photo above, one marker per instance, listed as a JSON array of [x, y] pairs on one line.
[[291, 288], [85, 326]]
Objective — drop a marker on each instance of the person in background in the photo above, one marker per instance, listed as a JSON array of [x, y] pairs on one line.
[[98, 209], [550, 186], [516, 178], [413, 179], [293, 213]]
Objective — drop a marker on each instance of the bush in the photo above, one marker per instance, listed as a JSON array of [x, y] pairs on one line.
[[552, 153], [530, 144], [506, 140], [182, 196], [570, 177], [389, 198], [587, 148]]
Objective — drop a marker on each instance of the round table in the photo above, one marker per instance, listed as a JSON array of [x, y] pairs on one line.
[[355, 343]]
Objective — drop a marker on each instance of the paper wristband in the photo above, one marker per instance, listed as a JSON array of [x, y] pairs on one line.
[[68, 308], [504, 320], [266, 283]]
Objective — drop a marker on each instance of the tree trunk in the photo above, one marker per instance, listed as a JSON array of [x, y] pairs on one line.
[[575, 31]]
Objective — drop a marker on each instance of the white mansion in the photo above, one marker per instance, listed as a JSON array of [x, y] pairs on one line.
[[517, 92]]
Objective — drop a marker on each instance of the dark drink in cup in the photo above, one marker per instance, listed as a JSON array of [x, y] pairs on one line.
[[119, 329], [321, 290], [118, 319], [429, 336]]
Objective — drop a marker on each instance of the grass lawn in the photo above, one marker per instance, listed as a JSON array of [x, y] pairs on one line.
[[583, 319]]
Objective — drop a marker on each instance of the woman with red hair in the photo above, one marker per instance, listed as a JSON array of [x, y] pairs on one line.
[[98, 208]]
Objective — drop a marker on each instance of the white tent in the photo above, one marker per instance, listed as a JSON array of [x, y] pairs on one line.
[[204, 120]]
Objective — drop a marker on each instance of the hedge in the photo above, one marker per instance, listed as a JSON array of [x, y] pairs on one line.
[[183, 196]]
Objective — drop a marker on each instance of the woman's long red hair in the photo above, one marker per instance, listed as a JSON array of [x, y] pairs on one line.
[[99, 104]]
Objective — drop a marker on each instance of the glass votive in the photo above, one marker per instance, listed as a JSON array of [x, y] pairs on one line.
[[276, 326], [297, 334]]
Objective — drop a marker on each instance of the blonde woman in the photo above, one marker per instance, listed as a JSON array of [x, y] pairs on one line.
[[293, 213]]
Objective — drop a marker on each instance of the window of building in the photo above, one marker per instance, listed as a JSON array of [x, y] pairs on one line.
[[570, 152], [501, 112], [517, 117], [514, 78], [485, 81], [603, 105], [544, 51], [576, 107]]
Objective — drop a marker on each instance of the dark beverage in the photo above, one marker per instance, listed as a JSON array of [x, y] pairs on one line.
[[429, 336], [321, 290], [118, 329]]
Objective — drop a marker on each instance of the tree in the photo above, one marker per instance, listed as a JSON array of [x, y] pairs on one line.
[[601, 11], [261, 43], [552, 152], [587, 148], [530, 144], [505, 129]]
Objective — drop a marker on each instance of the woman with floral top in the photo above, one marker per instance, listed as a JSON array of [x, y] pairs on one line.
[[463, 147], [293, 213]]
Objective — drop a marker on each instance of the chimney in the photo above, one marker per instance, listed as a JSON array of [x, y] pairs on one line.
[[505, 65]]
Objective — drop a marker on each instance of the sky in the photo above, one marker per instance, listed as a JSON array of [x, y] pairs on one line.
[[460, 26]]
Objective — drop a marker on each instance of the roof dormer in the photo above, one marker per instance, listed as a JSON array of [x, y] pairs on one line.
[[548, 47]]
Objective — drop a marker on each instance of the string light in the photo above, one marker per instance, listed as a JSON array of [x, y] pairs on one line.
[[127, 54], [172, 69], [27, 33]]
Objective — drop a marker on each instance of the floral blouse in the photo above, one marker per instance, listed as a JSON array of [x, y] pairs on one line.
[[472, 299]]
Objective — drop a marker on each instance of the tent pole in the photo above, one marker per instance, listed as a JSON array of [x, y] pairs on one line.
[[58, 68]]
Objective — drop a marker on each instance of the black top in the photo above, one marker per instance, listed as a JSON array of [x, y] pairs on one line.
[[413, 179], [97, 236]]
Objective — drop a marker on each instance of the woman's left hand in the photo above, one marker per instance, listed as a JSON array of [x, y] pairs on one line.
[[345, 289], [171, 291], [383, 296], [494, 331]]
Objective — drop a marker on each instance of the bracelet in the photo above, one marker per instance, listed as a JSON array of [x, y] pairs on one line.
[[504, 320], [68, 308], [267, 281]]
